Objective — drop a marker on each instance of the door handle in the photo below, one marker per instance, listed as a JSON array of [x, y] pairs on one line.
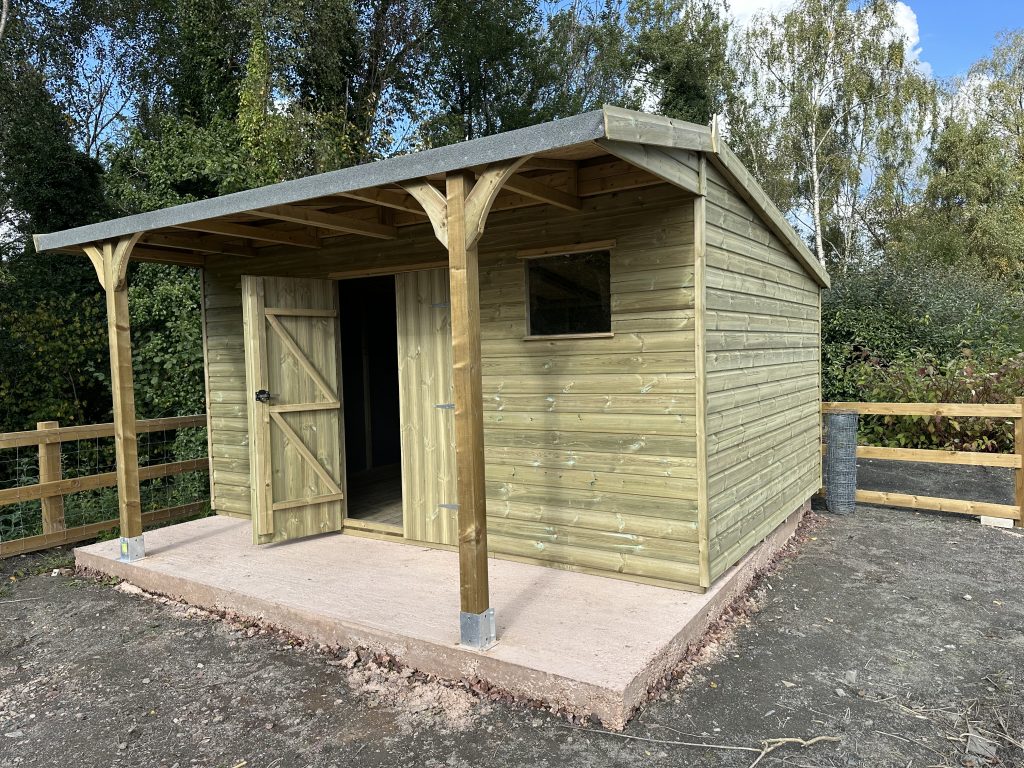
[[263, 396]]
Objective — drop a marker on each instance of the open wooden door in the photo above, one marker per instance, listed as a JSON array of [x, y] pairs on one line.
[[427, 410], [296, 437]]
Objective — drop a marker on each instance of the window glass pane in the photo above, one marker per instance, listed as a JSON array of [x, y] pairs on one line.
[[569, 294]]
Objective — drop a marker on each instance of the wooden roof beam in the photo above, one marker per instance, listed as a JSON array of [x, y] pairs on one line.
[[201, 244], [544, 193], [330, 221], [181, 258], [549, 164], [249, 232], [400, 201]]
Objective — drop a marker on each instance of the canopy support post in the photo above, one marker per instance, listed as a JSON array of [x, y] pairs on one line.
[[110, 259], [458, 217]]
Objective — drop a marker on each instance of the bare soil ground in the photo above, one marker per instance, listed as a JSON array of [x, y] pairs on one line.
[[899, 635]]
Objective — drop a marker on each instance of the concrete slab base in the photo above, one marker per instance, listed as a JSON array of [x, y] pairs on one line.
[[587, 643]]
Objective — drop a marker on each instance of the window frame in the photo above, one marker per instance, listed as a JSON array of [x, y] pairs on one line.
[[526, 256]]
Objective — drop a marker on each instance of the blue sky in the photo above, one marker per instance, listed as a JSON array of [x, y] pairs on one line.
[[953, 35], [950, 35]]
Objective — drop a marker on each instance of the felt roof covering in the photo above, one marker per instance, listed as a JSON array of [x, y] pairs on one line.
[[596, 132]]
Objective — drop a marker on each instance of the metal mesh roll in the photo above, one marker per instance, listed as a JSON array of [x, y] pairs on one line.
[[841, 462]]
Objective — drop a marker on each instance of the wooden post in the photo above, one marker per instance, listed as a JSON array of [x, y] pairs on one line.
[[463, 275], [458, 219], [50, 471], [111, 261], [1018, 475]]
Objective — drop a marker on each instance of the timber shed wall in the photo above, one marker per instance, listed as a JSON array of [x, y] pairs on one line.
[[590, 443], [762, 347]]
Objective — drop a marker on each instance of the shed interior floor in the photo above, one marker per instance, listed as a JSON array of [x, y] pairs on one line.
[[376, 495]]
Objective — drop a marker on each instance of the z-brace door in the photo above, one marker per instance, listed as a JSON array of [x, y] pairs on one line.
[[296, 437], [427, 410]]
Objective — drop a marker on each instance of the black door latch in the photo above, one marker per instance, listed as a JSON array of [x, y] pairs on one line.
[[262, 396]]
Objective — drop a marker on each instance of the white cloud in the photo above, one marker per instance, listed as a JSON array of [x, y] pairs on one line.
[[906, 19]]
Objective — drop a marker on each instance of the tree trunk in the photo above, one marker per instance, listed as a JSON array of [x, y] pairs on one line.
[[819, 248]]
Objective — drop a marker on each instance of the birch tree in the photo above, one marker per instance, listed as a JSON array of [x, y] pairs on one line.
[[830, 115]]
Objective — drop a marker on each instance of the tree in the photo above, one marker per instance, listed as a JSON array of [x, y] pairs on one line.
[[53, 329], [484, 58], [682, 47], [830, 116], [995, 86], [587, 58]]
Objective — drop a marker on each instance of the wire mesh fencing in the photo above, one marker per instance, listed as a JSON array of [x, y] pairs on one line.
[[59, 485]]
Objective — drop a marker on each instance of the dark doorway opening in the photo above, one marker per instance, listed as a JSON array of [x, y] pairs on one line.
[[369, 354]]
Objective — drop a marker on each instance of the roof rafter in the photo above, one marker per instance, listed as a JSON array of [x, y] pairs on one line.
[[201, 244], [544, 193], [400, 201], [331, 221], [550, 164], [249, 232]]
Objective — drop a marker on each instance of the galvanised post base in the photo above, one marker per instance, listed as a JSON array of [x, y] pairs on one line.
[[477, 630], [132, 549]]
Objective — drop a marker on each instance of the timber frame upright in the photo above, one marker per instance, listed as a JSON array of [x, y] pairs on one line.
[[458, 218], [110, 260]]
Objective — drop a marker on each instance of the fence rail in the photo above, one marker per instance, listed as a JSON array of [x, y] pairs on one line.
[[1015, 461], [52, 486]]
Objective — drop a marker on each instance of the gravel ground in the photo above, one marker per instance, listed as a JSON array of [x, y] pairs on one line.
[[896, 634]]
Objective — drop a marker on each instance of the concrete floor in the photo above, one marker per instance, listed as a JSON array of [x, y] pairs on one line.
[[593, 645]]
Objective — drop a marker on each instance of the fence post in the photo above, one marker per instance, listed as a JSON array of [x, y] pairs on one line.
[[1018, 474], [49, 471]]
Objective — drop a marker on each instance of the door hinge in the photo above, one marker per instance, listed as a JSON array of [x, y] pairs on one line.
[[440, 305], [446, 406], [448, 506]]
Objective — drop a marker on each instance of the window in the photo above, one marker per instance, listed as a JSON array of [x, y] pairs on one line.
[[569, 294]]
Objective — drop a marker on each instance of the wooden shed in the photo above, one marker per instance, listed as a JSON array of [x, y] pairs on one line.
[[591, 344]]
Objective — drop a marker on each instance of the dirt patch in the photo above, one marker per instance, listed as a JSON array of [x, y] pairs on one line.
[[416, 703], [865, 634], [417, 700]]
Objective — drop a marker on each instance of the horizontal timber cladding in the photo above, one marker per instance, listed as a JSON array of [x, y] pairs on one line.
[[591, 442], [762, 378], [229, 430]]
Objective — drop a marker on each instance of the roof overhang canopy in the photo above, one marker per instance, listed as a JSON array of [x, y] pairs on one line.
[[567, 162]]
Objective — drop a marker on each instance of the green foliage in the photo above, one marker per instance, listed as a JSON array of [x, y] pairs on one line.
[[167, 341], [42, 175], [926, 379], [175, 161], [886, 315], [484, 60], [971, 210], [682, 49], [587, 59]]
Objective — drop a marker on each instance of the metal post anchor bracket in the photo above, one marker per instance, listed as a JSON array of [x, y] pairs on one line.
[[132, 549], [477, 630]]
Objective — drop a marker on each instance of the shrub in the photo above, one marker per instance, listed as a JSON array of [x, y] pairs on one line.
[[925, 380], [910, 317]]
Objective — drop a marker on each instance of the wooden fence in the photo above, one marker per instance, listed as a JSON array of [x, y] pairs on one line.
[[52, 486], [1014, 461]]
